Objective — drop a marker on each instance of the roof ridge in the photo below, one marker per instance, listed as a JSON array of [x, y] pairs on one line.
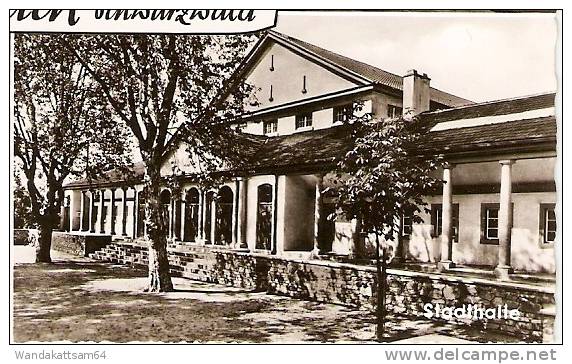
[[489, 102], [288, 37], [534, 119], [399, 78], [293, 40]]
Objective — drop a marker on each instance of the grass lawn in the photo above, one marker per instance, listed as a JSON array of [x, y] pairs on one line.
[[77, 299]]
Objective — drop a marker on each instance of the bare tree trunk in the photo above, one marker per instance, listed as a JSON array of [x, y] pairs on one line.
[[159, 277], [44, 244], [47, 223]]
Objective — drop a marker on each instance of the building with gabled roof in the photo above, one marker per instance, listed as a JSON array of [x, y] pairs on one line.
[[499, 197]]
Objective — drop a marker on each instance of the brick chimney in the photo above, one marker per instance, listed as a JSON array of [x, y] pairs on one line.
[[415, 93]]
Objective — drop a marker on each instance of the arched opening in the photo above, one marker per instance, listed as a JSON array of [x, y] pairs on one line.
[[191, 215], [165, 200], [86, 208], [177, 216], [208, 205], [141, 202], [327, 228], [95, 206], [264, 217], [223, 217], [66, 217]]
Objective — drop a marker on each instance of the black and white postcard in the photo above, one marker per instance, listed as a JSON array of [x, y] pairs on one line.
[[286, 177]]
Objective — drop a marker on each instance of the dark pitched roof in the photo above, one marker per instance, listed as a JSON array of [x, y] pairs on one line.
[[491, 108], [249, 143], [302, 149], [482, 138], [321, 148], [134, 173], [369, 72]]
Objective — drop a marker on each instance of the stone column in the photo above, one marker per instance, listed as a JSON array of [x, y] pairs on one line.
[[82, 211], [100, 212], [171, 217], [135, 211], [91, 223], [504, 268], [234, 239], [242, 201], [213, 221], [124, 213], [447, 220], [182, 215], [72, 209], [175, 216], [112, 213], [274, 242], [318, 212], [200, 227]]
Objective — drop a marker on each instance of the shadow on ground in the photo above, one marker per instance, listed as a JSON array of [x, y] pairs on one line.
[[76, 299]]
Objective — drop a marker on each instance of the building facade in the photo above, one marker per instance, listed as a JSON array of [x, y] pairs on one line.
[[497, 208]]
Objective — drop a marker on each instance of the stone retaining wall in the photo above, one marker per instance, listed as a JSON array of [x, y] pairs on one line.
[[201, 264], [407, 292], [25, 236], [78, 244], [353, 285]]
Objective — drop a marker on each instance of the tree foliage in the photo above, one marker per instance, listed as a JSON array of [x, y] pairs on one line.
[[384, 176], [58, 113], [22, 205], [169, 89]]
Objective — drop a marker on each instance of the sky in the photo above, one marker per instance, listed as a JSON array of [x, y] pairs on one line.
[[477, 56]]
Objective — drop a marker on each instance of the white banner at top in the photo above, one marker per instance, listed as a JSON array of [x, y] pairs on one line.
[[142, 21]]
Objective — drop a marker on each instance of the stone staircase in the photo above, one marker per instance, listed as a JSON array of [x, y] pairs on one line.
[[123, 252], [190, 261]]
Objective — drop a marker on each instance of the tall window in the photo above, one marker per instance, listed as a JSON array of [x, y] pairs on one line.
[[95, 212], [270, 126], [191, 215], [394, 111], [141, 214], [406, 225], [177, 217], [264, 217], [327, 227], [86, 208], [303, 120], [490, 223], [224, 209], [165, 198], [547, 227], [437, 220], [343, 112], [67, 203], [241, 126]]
